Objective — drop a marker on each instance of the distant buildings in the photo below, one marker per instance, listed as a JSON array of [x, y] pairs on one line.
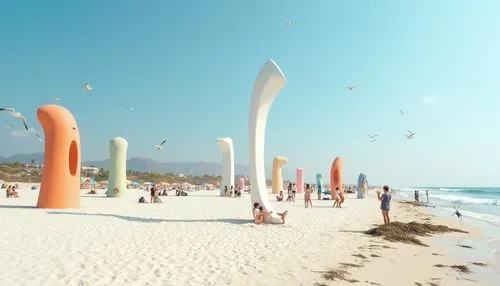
[[90, 170]]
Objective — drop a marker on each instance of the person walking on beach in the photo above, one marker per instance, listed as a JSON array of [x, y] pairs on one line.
[[385, 204], [294, 191], [427, 195], [307, 196], [290, 194]]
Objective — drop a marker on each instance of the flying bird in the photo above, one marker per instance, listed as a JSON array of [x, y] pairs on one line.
[[6, 126], [55, 99], [350, 87], [131, 108], [288, 23], [160, 146], [373, 140], [374, 136], [401, 111], [17, 115], [38, 135], [86, 87], [410, 134]]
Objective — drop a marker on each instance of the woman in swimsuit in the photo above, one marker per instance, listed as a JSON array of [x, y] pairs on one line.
[[307, 196]]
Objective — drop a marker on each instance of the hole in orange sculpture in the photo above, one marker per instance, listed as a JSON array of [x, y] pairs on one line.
[[73, 158]]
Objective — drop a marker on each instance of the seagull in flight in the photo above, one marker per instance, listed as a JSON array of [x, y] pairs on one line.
[[160, 146], [288, 23], [410, 134], [86, 87], [373, 137], [350, 87], [401, 111], [131, 108], [55, 99], [38, 135], [17, 115]]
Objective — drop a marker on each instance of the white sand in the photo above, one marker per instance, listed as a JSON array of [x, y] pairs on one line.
[[201, 239]]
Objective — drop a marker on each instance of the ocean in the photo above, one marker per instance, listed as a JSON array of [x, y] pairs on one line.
[[477, 203]]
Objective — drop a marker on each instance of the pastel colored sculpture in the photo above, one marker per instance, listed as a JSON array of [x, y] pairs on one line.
[[117, 186], [336, 177], [226, 146], [60, 186], [267, 86], [278, 163], [362, 186], [319, 182], [300, 180]]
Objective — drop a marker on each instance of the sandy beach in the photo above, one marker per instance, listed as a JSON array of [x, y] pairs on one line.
[[203, 239]]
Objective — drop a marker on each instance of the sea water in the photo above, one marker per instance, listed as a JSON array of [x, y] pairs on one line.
[[480, 207]]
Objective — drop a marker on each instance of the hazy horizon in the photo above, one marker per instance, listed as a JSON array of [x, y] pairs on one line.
[[188, 71]]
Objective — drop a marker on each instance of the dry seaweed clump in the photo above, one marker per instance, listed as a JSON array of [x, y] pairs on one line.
[[407, 232]]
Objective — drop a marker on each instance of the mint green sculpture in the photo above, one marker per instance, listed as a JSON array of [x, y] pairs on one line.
[[117, 186]]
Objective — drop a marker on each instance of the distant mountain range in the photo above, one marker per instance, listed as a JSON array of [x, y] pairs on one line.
[[149, 165]]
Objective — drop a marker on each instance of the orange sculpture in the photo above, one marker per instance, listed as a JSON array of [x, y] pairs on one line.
[[336, 177], [60, 187]]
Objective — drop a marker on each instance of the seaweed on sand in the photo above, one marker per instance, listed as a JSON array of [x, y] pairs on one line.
[[407, 232]]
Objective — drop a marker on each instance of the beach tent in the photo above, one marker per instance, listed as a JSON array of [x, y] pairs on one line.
[[362, 186]]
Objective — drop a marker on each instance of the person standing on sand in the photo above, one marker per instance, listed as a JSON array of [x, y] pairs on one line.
[[427, 195], [153, 193], [290, 194], [385, 204], [294, 191], [307, 196]]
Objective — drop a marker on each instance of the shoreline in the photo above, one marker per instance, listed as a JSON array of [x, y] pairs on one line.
[[408, 264], [203, 239]]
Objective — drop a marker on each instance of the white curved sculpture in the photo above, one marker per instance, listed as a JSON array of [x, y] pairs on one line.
[[278, 164], [226, 146], [267, 86], [117, 186]]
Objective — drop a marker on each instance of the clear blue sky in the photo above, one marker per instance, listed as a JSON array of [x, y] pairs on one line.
[[188, 68]]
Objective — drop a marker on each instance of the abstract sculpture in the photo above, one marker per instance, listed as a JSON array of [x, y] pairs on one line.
[[319, 183], [336, 177], [278, 163], [362, 186], [60, 186], [226, 146], [267, 86], [117, 186], [300, 180]]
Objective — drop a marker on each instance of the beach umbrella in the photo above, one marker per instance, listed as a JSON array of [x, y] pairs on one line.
[[135, 183], [149, 183]]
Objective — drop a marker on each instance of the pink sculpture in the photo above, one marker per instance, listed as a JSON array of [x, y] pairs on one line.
[[300, 180]]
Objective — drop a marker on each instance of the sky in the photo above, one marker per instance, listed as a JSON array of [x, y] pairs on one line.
[[188, 68]]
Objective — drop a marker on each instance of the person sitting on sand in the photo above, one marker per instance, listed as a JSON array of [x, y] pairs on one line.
[[385, 204], [92, 192], [307, 196], [13, 192], [142, 200], [260, 214], [280, 197]]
